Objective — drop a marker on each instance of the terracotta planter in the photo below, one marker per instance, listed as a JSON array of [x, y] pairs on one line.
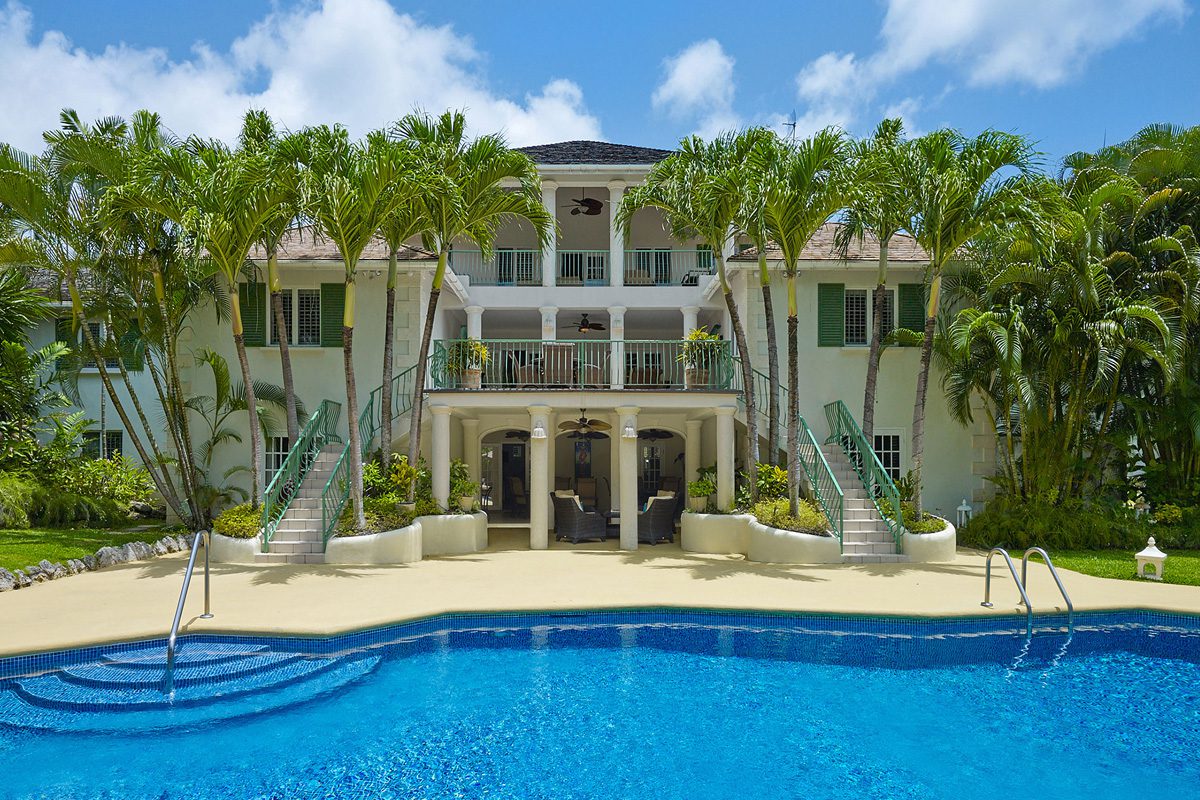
[[695, 377], [472, 379]]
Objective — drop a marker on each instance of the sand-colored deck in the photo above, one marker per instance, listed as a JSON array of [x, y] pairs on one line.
[[136, 600]]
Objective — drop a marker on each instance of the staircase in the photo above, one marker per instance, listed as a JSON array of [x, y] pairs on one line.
[[865, 536], [299, 538]]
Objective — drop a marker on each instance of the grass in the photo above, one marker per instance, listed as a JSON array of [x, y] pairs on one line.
[[21, 548], [1182, 567]]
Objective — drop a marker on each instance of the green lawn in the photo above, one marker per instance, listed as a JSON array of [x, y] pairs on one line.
[[1183, 566], [21, 548]]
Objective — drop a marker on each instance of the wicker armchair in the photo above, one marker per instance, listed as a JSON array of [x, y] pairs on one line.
[[657, 523], [572, 522]]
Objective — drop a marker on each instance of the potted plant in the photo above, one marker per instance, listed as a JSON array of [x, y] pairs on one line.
[[698, 493], [466, 358], [700, 353], [465, 491], [403, 476]]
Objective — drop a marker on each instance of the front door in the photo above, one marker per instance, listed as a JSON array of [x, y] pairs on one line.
[[513, 472]]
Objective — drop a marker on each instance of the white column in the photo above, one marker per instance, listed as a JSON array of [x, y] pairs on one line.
[[441, 455], [616, 324], [614, 464], [550, 251], [691, 449], [616, 238], [691, 315], [551, 464], [549, 323], [474, 322], [725, 454], [539, 491], [471, 447], [627, 478]]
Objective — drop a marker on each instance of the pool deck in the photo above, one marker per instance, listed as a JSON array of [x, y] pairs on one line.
[[135, 601]]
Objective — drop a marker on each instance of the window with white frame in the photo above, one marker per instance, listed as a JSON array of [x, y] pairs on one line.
[[860, 313], [277, 450], [887, 448], [301, 317], [114, 442], [99, 333]]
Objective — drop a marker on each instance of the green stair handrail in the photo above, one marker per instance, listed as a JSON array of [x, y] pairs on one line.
[[762, 392], [844, 430], [318, 431], [824, 483], [337, 489]]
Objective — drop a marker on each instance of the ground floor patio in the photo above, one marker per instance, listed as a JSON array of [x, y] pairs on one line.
[[136, 600]]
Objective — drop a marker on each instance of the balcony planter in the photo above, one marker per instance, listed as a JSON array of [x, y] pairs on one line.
[[465, 359], [696, 377], [701, 350], [472, 379]]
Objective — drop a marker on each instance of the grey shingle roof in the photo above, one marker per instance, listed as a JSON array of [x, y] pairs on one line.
[[300, 244], [822, 247], [585, 152]]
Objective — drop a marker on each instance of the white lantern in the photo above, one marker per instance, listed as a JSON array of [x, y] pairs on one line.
[[964, 513], [1150, 562]]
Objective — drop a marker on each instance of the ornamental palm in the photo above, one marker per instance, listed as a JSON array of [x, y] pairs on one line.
[[959, 189], [700, 190], [464, 196], [802, 185], [351, 190]]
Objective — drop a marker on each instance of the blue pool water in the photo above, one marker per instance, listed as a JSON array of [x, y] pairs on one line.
[[622, 705]]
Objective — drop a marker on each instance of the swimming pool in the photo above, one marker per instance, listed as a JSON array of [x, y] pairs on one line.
[[663, 704]]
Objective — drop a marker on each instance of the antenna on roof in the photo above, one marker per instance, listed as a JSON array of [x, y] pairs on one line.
[[790, 124]]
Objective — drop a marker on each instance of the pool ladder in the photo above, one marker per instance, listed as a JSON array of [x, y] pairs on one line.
[[201, 539], [1022, 584]]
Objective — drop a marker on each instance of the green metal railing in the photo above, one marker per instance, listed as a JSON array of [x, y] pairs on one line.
[[505, 268], [566, 364], [762, 395], [582, 268], [337, 489], [318, 431], [824, 483], [879, 485], [662, 266]]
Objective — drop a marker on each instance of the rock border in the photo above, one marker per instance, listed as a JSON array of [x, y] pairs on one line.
[[46, 570]]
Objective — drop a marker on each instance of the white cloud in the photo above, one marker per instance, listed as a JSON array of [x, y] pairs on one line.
[[357, 62], [698, 86], [1038, 43]]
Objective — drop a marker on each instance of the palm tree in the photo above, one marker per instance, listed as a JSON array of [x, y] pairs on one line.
[[21, 306], [464, 197], [802, 185], [284, 154], [351, 190], [959, 189], [700, 190], [878, 205]]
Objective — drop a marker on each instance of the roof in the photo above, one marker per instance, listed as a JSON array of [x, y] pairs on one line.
[[300, 244], [585, 152], [822, 247]]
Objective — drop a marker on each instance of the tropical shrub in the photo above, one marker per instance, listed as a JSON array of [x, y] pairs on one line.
[[774, 513], [119, 479], [1075, 525], [701, 488], [55, 507], [1168, 514], [16, 496], [239, 522], [403, 475], [926, 523], [771, 483], [381, 512], [375, 483]]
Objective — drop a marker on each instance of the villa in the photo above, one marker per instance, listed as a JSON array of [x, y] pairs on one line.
[[585, 386]]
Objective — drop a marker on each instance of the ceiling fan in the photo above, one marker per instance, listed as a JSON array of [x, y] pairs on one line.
[[588, 206], [584, 425], [654, 434], [584, 326], [519, 435], [588, 435]]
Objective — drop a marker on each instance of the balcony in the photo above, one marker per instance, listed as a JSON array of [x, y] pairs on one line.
[[533, 364], [640, 267], [505, 268], [666, 267]]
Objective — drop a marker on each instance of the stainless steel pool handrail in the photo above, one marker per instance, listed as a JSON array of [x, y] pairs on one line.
[[202, 538], [1012, 568], [1054, 574]]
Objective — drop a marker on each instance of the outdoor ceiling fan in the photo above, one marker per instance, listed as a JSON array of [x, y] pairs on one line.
[[519, 435], [584, 326], [588, 435], [654, 434], [583, 425], [587, 206]]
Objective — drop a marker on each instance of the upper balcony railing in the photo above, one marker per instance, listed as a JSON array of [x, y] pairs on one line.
[[640, 267], [659, 365]]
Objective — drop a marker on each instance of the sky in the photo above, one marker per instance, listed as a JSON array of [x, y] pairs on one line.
[[1070, 74]]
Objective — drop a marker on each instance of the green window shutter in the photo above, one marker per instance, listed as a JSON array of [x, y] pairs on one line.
[[131, 353], [253, 302], [333, 307], [831, 314], [63, 333], [911, 301]]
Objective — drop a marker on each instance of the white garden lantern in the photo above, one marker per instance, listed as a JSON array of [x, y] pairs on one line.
[[1150, 562], [964, 513]]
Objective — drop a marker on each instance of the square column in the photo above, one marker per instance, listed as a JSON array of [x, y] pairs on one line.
[[616, 238], [725, 454], [539, 468], [627, 477], [441, 455], [550, 251], [551, 463], [616, 364]]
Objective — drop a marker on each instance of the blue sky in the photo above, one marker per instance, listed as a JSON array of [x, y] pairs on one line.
[[1070, 73]]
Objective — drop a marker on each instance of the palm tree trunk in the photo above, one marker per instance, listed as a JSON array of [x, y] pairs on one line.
[[793, 405], [385, 391], [739, 335], [256, 451], [868, 417], [918, 425], [355, 446], [275, 284], [414, 426], [174, 391], [772, 362]]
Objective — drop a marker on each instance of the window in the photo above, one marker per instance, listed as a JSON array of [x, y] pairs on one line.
[[277, 450], [887, 447], [651, 467], [860, 313], [114, 441], [99, 333], [301, 317], [844, 316]]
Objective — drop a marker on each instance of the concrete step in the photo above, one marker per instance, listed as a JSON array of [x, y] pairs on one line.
[[873, 558], [863, 548], [297, 536], [297, 546], [860, 536], [289, 558]]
